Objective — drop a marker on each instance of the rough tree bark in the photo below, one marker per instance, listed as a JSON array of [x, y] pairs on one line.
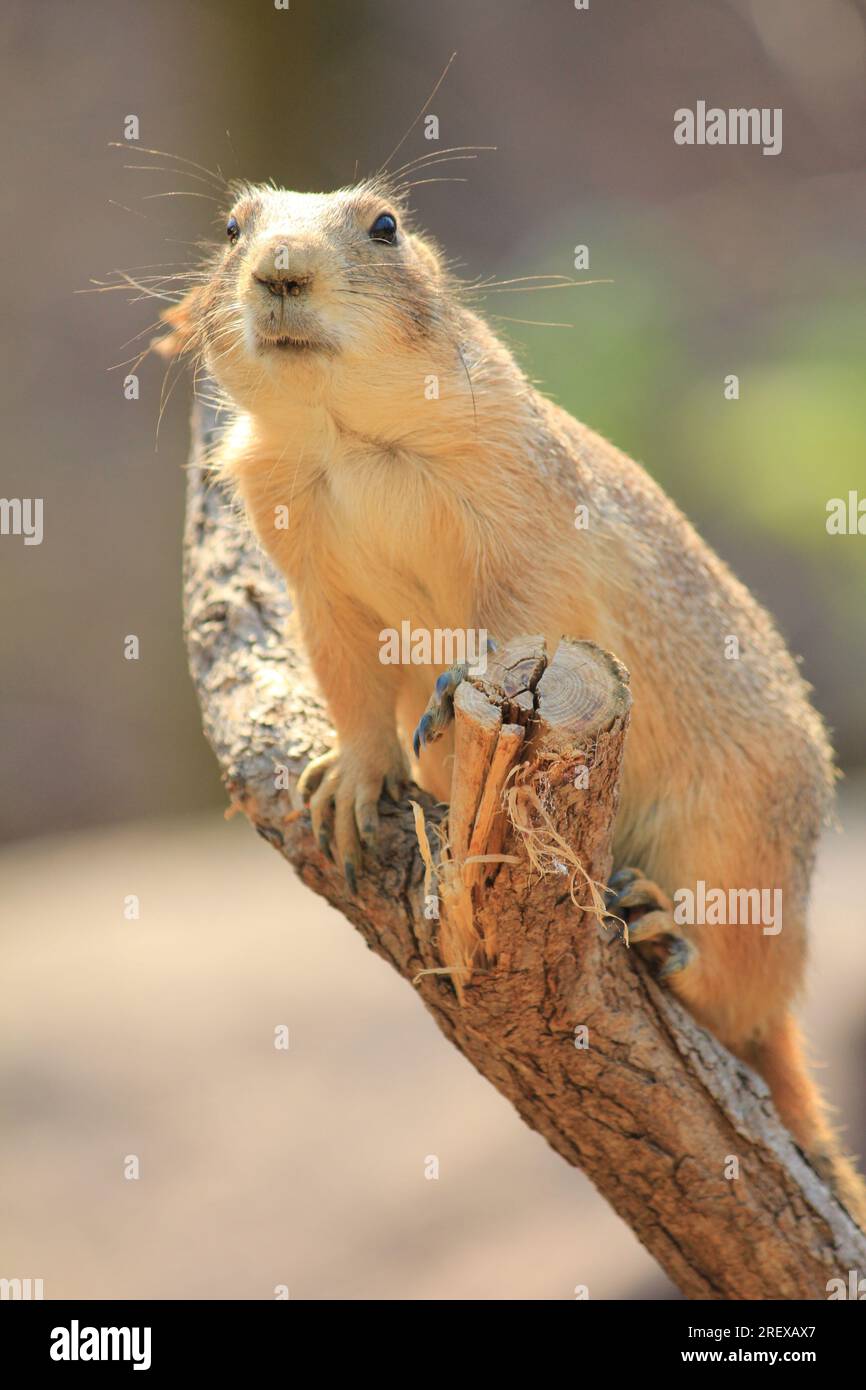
[[652, 1108]]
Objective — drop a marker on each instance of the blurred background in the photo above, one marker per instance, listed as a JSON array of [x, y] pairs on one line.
[[154, 1036]]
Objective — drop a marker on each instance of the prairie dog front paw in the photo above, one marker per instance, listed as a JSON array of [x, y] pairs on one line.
[[342, 788]]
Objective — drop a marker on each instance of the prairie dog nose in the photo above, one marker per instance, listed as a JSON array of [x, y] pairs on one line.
[[284, 269]]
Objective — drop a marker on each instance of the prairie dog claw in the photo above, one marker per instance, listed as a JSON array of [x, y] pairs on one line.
[[648, 913], [342, 793], [440, 707]]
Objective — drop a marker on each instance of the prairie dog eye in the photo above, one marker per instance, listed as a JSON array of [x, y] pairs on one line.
[[384, 229], [233, 229]]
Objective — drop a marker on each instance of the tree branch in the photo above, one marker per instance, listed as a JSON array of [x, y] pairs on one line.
[[652, 1108]]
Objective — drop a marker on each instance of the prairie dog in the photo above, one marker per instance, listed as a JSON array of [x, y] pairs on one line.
[[324, 319]]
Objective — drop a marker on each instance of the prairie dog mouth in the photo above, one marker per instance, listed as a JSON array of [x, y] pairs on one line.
[[284, 342]]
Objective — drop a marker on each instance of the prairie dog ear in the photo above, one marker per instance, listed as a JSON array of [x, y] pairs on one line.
[[181, 319]]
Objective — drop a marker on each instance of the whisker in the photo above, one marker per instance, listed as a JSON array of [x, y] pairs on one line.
[[519, 279], [471, 387], [131, 282], [206, 246], [182, 193], [187, 174], [136, 212], [135, 361], [163, 154], [232, 148], [449, 150], [418, 183], [165, 397], [151, 328], [537, 289], [421, 113], [534, 323], [159, 265]]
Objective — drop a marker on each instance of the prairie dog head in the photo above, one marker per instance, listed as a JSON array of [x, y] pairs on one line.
[[307, 282]]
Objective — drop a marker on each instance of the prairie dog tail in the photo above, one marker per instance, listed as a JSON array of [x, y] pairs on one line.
[[780, 1059]]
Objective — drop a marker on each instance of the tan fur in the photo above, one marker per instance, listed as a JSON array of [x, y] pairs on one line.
[[458, 512]]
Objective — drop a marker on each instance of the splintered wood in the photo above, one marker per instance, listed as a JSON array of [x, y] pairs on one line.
[[522, 727]]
